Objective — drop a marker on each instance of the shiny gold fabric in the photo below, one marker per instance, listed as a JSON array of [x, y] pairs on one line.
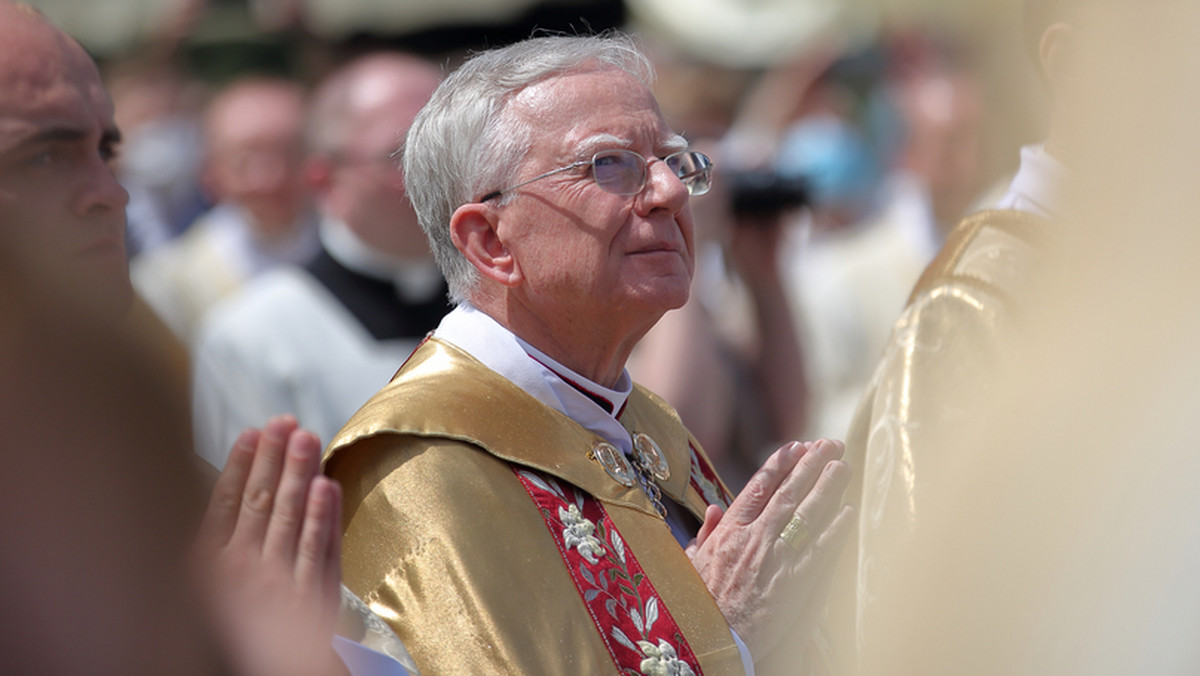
[[444, 543], [959, 315]]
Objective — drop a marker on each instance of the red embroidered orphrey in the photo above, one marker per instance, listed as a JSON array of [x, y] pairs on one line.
[[638, 630]]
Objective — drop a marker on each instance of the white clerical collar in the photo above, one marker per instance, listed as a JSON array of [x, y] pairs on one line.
[[414, 279], [1038, 186], [538, 375]]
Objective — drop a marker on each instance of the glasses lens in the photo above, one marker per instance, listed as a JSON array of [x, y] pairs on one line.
[[694, 169], [622, 172]]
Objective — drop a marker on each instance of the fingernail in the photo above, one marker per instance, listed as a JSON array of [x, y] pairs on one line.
[[248, 439], [277, 429]]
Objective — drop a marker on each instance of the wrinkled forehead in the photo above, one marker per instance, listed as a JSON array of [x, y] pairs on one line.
[[585, 103]]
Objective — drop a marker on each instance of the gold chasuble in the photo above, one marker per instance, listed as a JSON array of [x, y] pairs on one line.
[[959, 321], [498, 536]]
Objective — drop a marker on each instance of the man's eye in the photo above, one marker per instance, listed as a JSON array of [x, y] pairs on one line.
[[610, 165], [51, 155], [44, 158], [109, 152]]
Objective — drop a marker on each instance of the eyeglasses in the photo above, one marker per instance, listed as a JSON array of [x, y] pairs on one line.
[[623, 172]]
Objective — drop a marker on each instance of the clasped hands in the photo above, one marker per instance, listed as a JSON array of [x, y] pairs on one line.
[[770, 587]]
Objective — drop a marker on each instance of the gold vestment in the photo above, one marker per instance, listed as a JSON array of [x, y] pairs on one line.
[[445, 544], [960, 316]]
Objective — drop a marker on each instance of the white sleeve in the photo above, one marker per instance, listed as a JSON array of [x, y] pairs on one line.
[[747, 660], [229, 393], [363, 661]]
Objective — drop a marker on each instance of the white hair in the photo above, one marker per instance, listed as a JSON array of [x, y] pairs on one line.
[[462, 145]]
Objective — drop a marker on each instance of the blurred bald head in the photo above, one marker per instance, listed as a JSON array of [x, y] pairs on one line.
[[253, 131], [360, 115]]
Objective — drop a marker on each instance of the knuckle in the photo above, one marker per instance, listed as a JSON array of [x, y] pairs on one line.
[[286, 516], [311, 549], [224, 501], [756, 490], [259, 501]]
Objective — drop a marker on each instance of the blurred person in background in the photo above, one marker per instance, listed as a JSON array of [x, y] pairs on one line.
[[1043, 519], [162, 150], [962, 319], [317, 341], [98, 512], [887, 139], [159, 108], [262, 218], [882, 206]]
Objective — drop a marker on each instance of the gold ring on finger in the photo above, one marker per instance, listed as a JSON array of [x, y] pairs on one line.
[[795, 533]]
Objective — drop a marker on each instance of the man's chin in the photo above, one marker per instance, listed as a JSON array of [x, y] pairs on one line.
[[106, 297], [666, 293], [118, 303]]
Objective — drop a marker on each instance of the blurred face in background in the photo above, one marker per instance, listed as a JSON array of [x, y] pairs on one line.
[[254, 158], [944, 118], [61, 210], [366, 187]]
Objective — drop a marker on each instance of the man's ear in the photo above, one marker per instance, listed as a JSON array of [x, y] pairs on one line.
[[1055, 53], [475, 231]]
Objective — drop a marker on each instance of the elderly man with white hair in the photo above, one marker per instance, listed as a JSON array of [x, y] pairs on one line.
[[514, 503]]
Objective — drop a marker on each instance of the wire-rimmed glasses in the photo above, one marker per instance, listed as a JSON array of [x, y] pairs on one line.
[[623, 172]]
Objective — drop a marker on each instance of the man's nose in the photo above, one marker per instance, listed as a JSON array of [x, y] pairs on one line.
[[266, 173], [101, 191], [663, 190]]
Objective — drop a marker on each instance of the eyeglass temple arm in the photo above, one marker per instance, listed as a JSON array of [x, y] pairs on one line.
[[496, 193]]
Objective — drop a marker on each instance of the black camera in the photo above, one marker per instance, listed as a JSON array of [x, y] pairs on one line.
[[766, 192]]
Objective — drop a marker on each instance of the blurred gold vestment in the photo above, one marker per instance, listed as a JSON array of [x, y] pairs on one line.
[[445, 544], [959, 317]]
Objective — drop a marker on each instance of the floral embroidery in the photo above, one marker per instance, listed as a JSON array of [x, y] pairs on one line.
[[639, 631], [577, 533], [661, 660]]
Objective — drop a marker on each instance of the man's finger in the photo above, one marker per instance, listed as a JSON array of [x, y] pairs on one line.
[[333, 550], [816, 510], [712, 517], [825, 550], [259, 496], [823, 502], [220, 517], [320, 534], [799, 483], [750, 503], [301, 463]]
